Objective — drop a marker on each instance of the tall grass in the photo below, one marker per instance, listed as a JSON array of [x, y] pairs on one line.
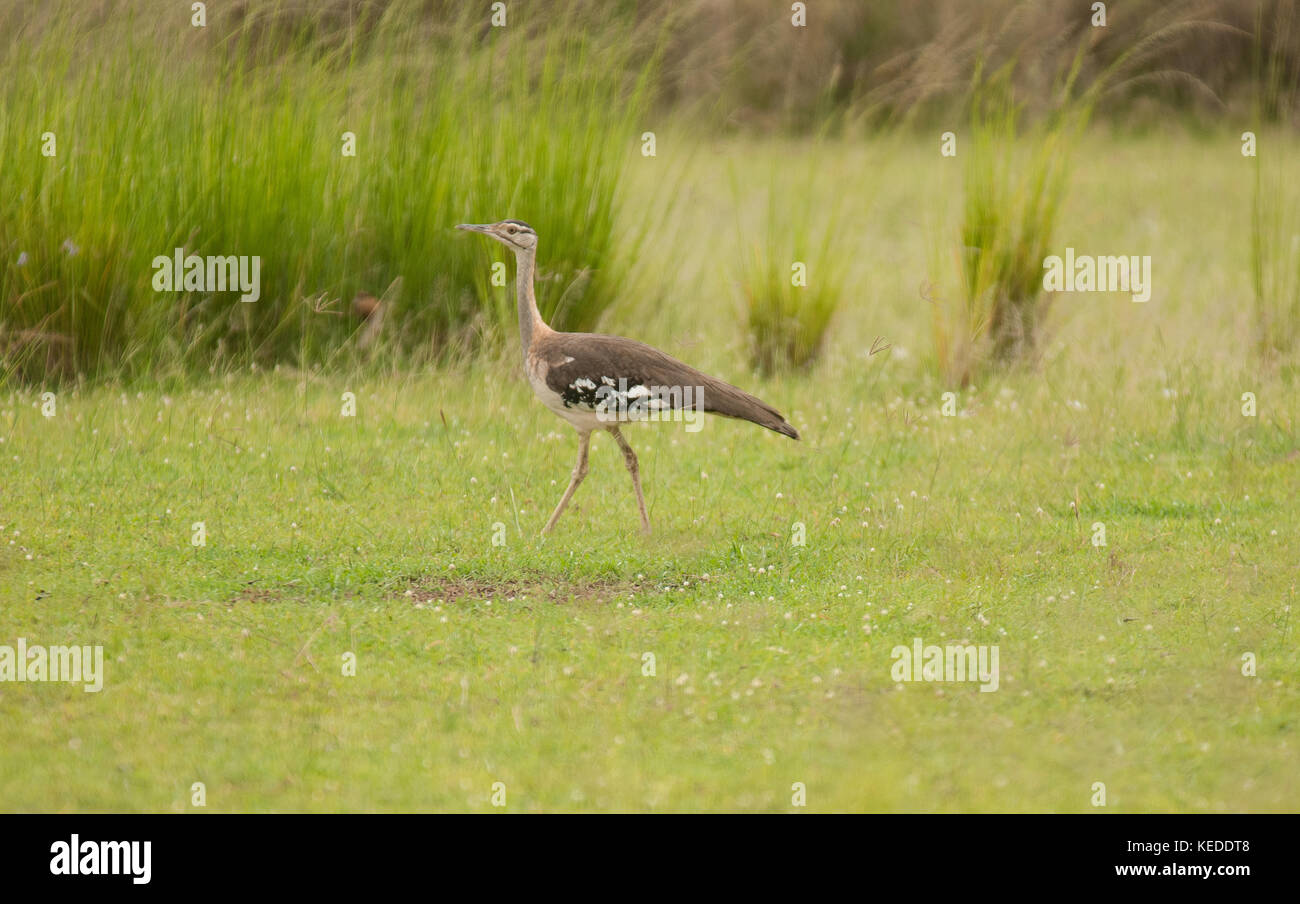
[[1015, 179], [874, 63], [227, 140], [1275, 248], [1275, 203], [791, 276], [1017, 170]]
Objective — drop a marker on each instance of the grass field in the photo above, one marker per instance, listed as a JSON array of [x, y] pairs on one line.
[[524, 663]]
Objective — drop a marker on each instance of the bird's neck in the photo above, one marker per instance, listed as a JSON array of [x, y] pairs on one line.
[[531, 324]]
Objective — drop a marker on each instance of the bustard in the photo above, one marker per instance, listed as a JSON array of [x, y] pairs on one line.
[[597, 382]]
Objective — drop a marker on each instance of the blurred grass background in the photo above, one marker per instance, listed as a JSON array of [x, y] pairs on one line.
[[227, 139]]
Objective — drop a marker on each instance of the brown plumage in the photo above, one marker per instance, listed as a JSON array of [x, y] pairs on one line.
[[371, 311], [595, 356], [598, 382], [365, 305]]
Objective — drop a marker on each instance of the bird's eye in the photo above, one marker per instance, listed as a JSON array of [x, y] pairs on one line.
[[512, 230]]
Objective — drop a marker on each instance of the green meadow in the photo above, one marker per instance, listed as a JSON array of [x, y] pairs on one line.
[[373, 623]]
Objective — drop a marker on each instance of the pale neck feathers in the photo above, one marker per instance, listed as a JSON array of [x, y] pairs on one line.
[[531, 324]]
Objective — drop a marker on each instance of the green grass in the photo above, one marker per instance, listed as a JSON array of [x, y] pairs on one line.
[[1012, 203], [522, 663], [229, 140], [1275, 224], [791, 273], [1275, 249]]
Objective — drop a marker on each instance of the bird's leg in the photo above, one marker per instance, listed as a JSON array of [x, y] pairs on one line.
[[579, 472], [629, 458]]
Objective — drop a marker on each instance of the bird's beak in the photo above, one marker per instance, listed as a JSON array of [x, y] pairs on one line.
[[475, 227]]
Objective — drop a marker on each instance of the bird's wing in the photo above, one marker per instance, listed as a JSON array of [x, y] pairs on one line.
[[586, 368]]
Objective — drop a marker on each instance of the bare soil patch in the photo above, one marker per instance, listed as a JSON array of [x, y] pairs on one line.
[[451, 590]]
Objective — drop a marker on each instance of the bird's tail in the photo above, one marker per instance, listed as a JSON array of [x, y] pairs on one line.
[[728, 401]]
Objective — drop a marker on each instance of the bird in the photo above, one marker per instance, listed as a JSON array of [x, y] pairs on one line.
[[597, 382], [370, 310]]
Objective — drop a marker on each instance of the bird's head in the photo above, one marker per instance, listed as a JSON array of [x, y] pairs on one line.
[[514, 234]]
